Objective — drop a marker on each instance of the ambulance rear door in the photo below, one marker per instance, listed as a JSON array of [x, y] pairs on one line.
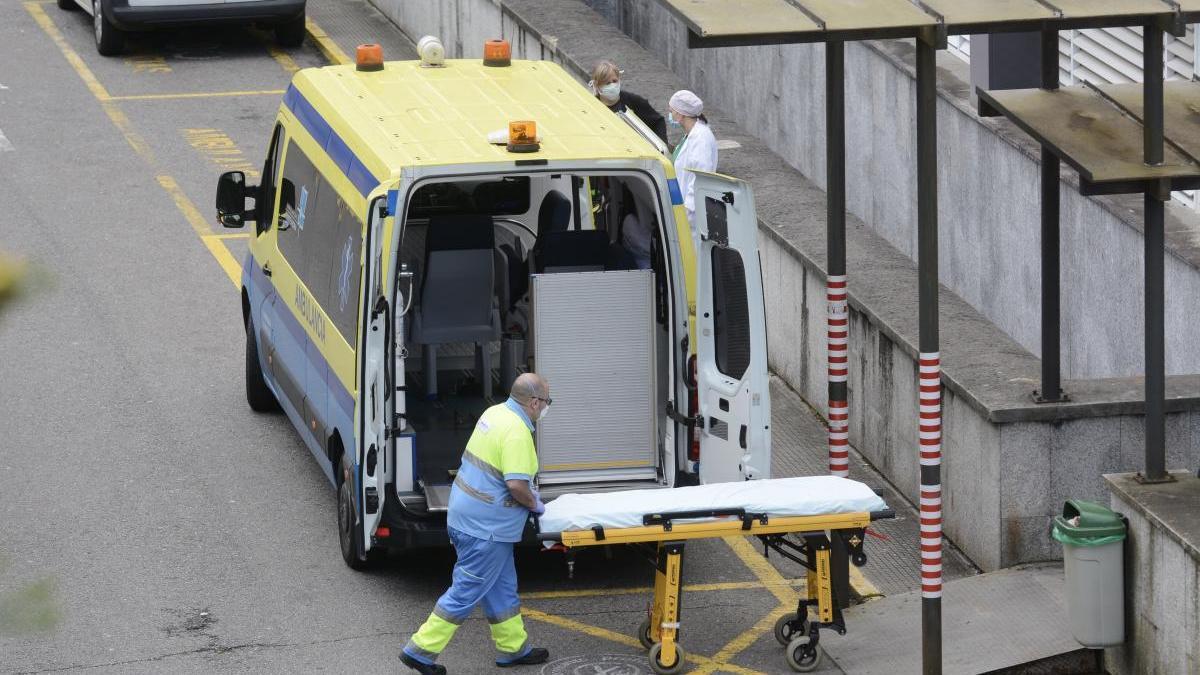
[[731, 334], [375, 389]]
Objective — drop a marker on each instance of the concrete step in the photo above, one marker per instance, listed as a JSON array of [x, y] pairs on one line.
[[1013, 620]]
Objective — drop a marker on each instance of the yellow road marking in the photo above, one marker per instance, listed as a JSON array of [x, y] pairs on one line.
[[220, 149], [620, 638], [221, 252], [43, 20], [185, 205], [762, 568], [284, 59], [197, 94], [690, 588], [231, 235], [740, 643], [328, 47], [147, 63], [863, 586]]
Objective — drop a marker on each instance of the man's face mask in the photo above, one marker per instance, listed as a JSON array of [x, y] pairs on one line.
[[542, 413]]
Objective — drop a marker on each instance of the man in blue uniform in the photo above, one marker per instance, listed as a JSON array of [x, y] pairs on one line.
[[490, 502]]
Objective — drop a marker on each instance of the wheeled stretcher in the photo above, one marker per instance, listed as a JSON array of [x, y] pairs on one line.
[[823, 543]]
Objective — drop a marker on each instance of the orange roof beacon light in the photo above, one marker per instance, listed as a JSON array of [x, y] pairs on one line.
[[497, 53], [368, 58], [522, 136]]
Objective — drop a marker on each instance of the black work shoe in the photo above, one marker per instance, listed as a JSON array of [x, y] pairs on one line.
[[535, 656], [422, 668]]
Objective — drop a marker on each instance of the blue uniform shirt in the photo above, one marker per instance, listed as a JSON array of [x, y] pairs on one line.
[[500, 449]]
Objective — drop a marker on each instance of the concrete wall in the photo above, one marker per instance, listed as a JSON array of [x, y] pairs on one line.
[[1162, 601], [988, 189]]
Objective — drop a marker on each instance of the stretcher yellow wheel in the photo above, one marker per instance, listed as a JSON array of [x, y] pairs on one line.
[[802, 655], [643, 634], [657, 665]]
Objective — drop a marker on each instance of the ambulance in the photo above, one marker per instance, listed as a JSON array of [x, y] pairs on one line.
[[426, 230]]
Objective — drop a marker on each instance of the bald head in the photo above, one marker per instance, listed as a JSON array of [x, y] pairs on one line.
[[528, 386]]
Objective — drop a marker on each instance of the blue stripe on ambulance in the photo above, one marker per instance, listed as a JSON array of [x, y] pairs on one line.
[[341, 154], [676, 194]]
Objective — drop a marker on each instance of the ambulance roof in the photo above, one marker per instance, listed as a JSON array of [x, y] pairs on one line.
[[409, 115]]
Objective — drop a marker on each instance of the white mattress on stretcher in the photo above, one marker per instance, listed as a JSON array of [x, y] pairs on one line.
[[802, 496]]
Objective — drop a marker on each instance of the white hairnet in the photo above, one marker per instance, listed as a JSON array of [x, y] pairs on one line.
[[685, 102]]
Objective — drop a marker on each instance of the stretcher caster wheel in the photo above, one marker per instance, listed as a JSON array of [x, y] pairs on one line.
[[802, 655], [659, 667], [643, 634], [789, 626]]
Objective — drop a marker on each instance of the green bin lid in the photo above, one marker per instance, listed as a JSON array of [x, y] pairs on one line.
[[1085, 523]]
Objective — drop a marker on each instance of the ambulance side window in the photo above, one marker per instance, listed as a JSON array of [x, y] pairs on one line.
[[270, 182]]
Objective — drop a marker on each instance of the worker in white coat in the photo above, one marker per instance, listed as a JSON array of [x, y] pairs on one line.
[[696, 152]]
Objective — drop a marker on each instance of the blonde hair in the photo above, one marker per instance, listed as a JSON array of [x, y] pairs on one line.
[[604, 71]]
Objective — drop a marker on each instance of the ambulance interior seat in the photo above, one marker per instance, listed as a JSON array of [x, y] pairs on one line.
[[456, 297], [554, 215]]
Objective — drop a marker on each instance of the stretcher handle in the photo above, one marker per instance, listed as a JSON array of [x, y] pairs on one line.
[[665, 518], [882, 515]]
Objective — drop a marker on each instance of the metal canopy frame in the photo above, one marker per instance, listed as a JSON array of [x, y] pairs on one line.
[[716, 23]]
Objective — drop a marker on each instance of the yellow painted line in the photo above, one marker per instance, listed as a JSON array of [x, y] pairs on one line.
[[328, 47], [690, 588], [740, 643], [224, 258], [85, 73], [197, 94], [762, 568], [862, 585], [220, 149], [185, 206], [231, 235], [284, 59], [620, 638], [148, 63]]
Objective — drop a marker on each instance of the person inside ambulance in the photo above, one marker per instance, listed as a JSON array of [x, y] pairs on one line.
[[606, 85], [696, 152], [490, 502]]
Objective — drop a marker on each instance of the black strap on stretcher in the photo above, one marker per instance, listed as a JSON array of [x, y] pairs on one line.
[[665, 519]]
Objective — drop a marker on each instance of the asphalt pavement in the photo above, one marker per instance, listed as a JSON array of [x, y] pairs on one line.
[[171, 529]]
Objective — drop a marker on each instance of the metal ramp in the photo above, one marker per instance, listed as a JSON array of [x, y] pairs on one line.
[[1021, 609]]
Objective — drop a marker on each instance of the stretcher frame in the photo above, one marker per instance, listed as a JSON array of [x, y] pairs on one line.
[[826, 544]]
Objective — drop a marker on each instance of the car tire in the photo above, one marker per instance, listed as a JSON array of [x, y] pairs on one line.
[[258, 394], [68, 5], [109, 40], [349, 533], [290, 33]]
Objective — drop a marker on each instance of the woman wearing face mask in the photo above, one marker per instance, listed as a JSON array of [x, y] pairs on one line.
[[696, 152], [606, 85]]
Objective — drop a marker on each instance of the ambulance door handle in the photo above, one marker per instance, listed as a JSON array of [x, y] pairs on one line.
[[266, 269]]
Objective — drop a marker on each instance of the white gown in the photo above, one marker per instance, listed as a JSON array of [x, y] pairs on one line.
[[699, 152]]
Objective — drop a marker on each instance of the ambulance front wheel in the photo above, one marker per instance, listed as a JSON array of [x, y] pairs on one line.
[[258, 394], [659, 667], [802, 655]]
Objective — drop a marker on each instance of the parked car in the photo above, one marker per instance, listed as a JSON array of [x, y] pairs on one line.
[[112, 19]]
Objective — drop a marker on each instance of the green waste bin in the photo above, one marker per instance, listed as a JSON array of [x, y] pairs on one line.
[[1093, 539]]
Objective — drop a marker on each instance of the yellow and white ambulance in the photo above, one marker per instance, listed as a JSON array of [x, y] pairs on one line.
[[425, 230]]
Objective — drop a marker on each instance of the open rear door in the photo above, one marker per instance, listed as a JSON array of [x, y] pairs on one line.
[[731, 332], [375, 388]]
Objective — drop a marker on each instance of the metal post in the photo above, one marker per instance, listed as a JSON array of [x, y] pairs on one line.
[[930, 403], [1154, 253], [838, 316], [1051, 390]]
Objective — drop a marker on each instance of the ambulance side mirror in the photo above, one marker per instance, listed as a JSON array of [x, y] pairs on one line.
[[231, 199]]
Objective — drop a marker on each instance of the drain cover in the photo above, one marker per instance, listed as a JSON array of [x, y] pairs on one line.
[[601, 664]]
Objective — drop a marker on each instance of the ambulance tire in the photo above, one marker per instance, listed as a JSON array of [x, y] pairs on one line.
[[349, 533], [290, 33], [258, 394], [109, 40]]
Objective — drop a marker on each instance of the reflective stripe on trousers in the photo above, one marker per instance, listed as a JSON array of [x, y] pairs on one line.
[[484, 574]]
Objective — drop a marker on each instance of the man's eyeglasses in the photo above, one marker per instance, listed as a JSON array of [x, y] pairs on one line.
[[547, 401]]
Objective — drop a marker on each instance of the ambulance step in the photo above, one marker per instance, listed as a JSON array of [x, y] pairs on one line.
[[437, 498]]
